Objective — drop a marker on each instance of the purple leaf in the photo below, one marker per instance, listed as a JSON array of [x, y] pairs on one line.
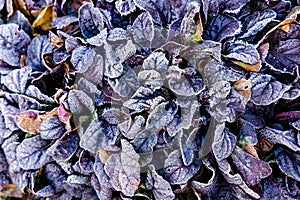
[[177, 172], [64, 148], [161, 188], [14, 43], [31, 153], [124, 170], [90, 20], [52, 128], [265, 89]]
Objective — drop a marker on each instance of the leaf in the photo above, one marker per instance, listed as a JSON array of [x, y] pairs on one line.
[[256, 22], [216, 71], [2, 2], [102, 177], [31, 153], [124, 170], [145, 140], [64, 148], [283, 57], [224, 143], [34, 92], [55, 175], [225, 103], [16, 80], [64, 21], [265, 89], [13, 42], [288, 162], [30, 121], [115, 116], [95, 70], [243, 87], [126, 50], [36, 49], [176, 171], [4, 131], [288, 138], [90, 20], [45, 18], [117, 34], [220, 27], [187, 151], [161, 188], [143, 29], [81, 58], [156, 61], [185, 83], [162, 115], [159, 10], [247, 132], [209, 184], [126, 84], [86, 161], [252, 169], [125, 7], [243, 52], [102, 191], [232, 6], [135, 128], [99, 134], [151, 78], [142, 99], [113, 64], [98, 39], [79, 101], [239, 187], [52, 128]]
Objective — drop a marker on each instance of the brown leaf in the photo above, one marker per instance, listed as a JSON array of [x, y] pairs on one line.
[[30, 121], [45, 18], [250, 148], [55, 40], [243, 87], [264, 144]]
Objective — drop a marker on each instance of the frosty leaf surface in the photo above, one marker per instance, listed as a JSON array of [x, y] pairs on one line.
[[265, 89], [52, 128], [14, 43], [143, 29], [176, 171], [31, 153], [160, 187], [90, 20], [123, 170]]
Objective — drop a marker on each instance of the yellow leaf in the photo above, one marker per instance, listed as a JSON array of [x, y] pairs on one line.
[[199, 30], [251, 68], [45, 18], [103, 155]]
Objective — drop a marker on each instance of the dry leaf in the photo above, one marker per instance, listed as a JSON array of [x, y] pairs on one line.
[[251, 68], [45, 18], [55, 40], [31, 120], [250, 148], [243, 87]]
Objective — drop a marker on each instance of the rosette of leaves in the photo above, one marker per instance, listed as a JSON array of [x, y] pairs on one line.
[[149, 99]]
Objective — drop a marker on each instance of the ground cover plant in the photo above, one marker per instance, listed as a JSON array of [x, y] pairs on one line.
[[149, 99]]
